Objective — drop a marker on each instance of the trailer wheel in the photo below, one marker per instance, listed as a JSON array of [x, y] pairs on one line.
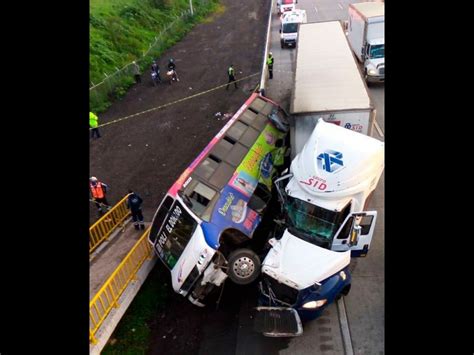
[[244, 266]]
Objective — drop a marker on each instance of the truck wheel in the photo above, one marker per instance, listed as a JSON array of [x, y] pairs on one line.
[[282, 45], [345, 292], [244, 266]]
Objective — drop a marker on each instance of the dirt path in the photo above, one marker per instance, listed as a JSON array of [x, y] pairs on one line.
[[149, 152]]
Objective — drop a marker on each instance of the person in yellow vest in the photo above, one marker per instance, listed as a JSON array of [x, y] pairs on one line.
[[270, 64], [98, 191], [231, 75], [93, 123]]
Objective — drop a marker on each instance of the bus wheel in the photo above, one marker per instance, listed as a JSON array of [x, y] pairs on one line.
[[244, 266]]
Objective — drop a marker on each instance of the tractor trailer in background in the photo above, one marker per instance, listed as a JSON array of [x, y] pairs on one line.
[[365, 32], [327, 84]]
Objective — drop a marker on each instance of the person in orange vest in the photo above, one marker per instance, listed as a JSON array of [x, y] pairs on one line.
[[98, 191]]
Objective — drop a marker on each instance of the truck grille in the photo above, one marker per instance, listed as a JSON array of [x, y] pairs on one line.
[[273, 321], [282, 292], [382, 70]]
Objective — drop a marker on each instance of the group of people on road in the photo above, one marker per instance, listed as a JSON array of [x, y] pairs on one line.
[[171, 73]]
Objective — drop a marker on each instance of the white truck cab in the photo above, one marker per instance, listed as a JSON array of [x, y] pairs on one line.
[[289, 26], [328, 188], [324, 197], [365, 33]]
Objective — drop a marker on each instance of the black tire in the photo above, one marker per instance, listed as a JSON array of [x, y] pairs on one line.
[[346, 290], [282, 44], [244, 266]]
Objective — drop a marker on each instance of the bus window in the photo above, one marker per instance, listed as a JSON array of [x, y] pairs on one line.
[[222, 175], [260, 122], [267, 109], [237, 129], [258, 104], [249, 137], [207, 167], [236, 154], [248, 117], [200, 197], [221, 149]]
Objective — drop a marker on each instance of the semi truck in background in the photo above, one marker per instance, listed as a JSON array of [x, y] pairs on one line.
[[289, 27], [325, 193], [365, 32], [327, 84]]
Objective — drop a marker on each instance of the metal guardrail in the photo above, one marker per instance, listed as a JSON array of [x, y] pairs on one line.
[[102, 229], [107, 297]]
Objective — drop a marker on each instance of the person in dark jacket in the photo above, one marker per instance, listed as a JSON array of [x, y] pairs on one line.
[[172, 69], [134, 203], [155, 68]]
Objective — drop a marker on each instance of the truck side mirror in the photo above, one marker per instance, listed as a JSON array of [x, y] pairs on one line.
[[280, 30], [355, 233]]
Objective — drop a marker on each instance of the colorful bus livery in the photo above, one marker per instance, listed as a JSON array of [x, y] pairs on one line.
[[203, 227]]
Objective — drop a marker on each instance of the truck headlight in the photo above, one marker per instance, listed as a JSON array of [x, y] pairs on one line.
[[315, 304], [343, 275], [372, 72]]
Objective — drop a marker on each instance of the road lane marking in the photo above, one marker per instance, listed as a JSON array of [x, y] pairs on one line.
[[346, 334], [379, 130]]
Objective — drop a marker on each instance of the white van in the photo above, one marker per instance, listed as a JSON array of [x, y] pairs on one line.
[[289, 27]]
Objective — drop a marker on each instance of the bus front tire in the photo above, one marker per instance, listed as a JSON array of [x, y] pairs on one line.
[[244, 266]]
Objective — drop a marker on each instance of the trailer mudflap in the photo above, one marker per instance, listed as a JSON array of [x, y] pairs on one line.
[[278, 322]]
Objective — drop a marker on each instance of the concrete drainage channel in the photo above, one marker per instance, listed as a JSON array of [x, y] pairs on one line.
[[344, 324]]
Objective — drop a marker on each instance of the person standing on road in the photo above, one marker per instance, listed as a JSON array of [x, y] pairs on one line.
[[172, 67], [155, 68], [270, 64], [98, 191], [231, 74], [136, 72], [134, 203], [94, 123]]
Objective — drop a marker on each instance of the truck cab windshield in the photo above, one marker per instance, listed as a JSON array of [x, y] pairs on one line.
[[174, 235], [290, 27], [377, 51], [316, 224]]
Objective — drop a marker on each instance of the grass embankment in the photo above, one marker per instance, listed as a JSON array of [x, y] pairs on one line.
[[121, 31], [133, 332]]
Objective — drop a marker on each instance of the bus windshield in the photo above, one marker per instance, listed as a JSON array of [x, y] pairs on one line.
[[318, 225], [176, 232]]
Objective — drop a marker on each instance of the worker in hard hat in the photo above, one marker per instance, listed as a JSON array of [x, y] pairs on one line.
[[98, 191]]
